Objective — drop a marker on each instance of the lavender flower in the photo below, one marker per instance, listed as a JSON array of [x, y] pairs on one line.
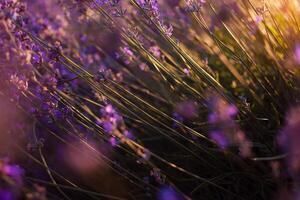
[[225, 132], [220, 139], [289, 139], [13, 171]]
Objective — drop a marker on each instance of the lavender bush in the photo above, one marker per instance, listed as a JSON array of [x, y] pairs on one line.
[[149, 99]]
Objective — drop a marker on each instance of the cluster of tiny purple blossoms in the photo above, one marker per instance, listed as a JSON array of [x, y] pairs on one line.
[[30, 77], [35, 87]]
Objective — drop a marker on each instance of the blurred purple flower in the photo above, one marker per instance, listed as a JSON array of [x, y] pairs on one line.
[[109, 109], [289, 140], [258, 19], [297, 54], [225, 131], [167, 193], [155, 50], [186, 71], [221, 110], [187, 109], [220, 139], [13, 171], [113, 141]]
